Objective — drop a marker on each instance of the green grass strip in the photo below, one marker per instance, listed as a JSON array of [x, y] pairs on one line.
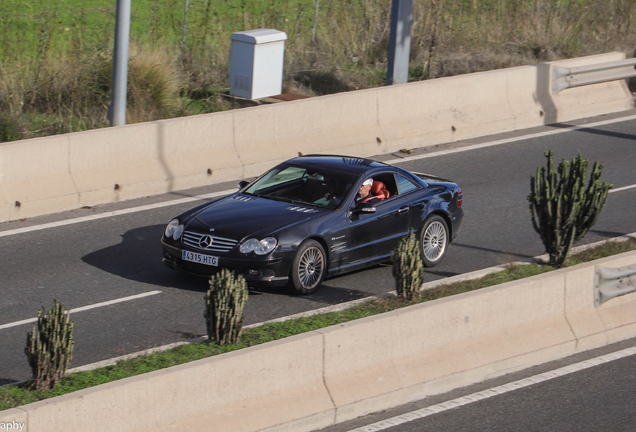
[[17, 395]]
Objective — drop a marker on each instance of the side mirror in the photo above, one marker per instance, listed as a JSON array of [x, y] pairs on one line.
[[243, 183]]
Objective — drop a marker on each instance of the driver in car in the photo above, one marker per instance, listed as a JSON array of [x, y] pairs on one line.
[[364, 197]]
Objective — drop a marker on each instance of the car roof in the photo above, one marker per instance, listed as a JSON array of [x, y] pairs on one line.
[[353, 165]]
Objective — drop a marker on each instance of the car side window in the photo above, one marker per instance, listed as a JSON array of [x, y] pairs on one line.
[[404, 185], [388, 179]]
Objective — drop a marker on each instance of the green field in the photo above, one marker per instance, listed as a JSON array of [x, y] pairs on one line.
[[55, 55], [60, 27], [561, 27]]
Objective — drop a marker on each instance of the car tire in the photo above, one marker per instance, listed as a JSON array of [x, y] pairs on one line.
[[308, 268], [434, 237]]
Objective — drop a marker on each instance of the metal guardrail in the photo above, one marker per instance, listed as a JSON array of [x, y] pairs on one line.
[[613, 282], [563, 78]]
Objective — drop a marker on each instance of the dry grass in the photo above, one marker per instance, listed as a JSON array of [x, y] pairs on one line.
[[55, 56], [154, 85]]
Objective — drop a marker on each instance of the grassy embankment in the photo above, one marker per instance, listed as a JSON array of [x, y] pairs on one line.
[[55, 55], [13, 396]]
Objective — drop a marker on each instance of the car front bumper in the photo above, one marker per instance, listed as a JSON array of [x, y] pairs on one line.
[[267, 272]]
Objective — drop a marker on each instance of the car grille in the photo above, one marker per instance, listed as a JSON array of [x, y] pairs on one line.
[[208, 242]]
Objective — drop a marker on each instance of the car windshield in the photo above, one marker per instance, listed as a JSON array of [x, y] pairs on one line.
[[303, 185]]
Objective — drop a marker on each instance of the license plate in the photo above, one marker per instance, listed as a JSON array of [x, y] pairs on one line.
[[200, 258]]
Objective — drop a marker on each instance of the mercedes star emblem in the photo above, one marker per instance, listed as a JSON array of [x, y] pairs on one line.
[[205, 242]]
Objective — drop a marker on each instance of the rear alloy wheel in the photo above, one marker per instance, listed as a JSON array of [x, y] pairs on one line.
[[434, 240], [309, 267]]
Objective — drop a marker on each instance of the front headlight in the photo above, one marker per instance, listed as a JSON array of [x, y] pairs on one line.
[[178, 232], [249, 246], [262, 247], [265, 246], [174, 229]]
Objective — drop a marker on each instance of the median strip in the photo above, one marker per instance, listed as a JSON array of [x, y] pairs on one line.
[[17, 395], [475, 275]]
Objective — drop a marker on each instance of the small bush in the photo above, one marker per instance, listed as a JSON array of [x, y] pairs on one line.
[[154, 83], [49, 347], [224, 303], [408, 269], [562, 207], [9, 129]]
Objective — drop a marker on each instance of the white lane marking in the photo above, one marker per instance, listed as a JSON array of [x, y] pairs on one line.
[[114, 213], [510, 140], [495, 391], [391, 161], [85, 308], [622, 188]]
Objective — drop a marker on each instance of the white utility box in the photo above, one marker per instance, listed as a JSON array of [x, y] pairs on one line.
[[256, 63]]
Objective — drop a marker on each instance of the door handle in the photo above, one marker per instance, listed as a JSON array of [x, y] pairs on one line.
[[403, 209]]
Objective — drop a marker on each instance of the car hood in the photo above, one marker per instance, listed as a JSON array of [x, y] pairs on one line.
[[239, 216]]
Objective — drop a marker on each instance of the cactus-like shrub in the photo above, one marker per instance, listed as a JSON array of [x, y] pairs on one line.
[[563, 208], [224, 303], [49, 347], [408, 269]]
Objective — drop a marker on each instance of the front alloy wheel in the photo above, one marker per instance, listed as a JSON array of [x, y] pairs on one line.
[[309, 267], [434, 240]]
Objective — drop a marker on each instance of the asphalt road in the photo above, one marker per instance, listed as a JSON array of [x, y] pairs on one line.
[[118, 256], [588, 392]]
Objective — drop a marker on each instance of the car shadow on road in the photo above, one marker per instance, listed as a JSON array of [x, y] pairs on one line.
[[138, 258], [331, 292]]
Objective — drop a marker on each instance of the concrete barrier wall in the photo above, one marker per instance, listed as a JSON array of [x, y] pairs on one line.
[[35, 176], [462, 107], [247, 390], [467, 337], [612, 321], [53, 174], [313, 380], [117, 164]]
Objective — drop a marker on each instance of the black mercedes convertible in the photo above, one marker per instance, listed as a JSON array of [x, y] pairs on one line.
[[304, 220]]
